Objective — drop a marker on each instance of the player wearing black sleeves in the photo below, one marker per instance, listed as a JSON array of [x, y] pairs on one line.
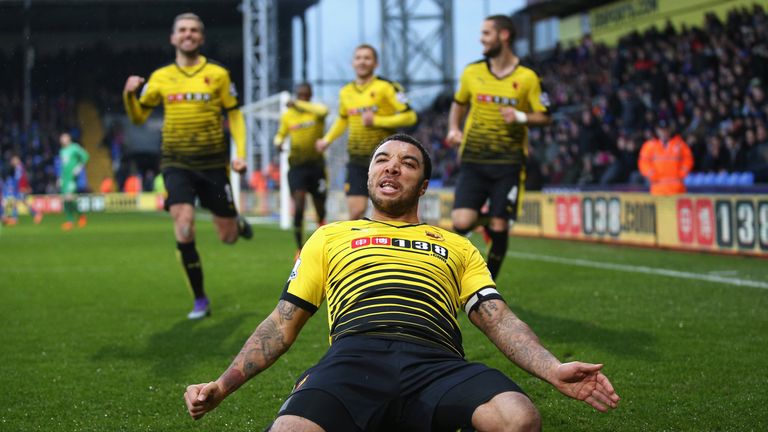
[[194, 91], [394, 287], [499, 98]]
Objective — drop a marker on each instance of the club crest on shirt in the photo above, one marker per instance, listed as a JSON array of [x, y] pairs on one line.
[[295, 271], [435, 235]]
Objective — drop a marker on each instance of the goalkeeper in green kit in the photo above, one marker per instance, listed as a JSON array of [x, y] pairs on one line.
[[73, 159]]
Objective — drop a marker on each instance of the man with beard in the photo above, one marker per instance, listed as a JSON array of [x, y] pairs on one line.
[[500, 98], [396, 361], [373, 108], [195, 155]]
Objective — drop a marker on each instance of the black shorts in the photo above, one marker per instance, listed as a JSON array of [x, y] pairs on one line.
[[373, 384], [502, 184], [310, 178], [211, 186], [357, 180]]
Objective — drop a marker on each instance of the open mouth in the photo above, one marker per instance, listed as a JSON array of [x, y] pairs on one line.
[[389, 186]]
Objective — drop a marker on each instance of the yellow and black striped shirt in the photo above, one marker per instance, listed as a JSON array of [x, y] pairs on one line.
[[193, 98], [387, 101], [304, 122], [390, 279], [487, 138]]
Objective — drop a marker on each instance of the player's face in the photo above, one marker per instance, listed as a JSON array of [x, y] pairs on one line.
[[490, 39], [187, 36], [64, 140], [304, 93], [364, 63], [395, 178]]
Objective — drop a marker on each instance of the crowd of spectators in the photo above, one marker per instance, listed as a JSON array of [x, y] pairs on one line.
[[709, 82]]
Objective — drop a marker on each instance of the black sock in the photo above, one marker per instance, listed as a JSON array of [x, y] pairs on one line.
[[193, 268], [298, 227], [497, 251]]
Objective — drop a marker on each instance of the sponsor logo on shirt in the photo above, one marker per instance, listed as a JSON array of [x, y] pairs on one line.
[[418, 245], [189, 97], [498, 100]]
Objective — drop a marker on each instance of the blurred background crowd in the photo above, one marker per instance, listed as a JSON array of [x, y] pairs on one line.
[[708, 82]]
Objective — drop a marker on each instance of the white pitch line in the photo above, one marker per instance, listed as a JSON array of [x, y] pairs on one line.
[[639, 269]]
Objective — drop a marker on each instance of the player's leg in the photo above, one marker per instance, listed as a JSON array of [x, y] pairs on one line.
[[215, 194], [356, 188], [488, 401], [505, 199], [299, 199], [469, 196], [319, 192], [180, 185], [297, 184], [68, 188]]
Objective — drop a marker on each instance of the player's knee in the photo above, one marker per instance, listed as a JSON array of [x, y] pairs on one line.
[[228, 236], [461, 229], [511, 412], [185, 231]]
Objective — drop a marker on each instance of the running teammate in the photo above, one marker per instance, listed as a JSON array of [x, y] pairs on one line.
[[194, 91], [304, 123], [372, 108], [500, 99]]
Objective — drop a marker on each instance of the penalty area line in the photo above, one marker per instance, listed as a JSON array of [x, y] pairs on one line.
[[639, 269]]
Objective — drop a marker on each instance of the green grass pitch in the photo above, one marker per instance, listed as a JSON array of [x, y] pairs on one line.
[[94, 335]]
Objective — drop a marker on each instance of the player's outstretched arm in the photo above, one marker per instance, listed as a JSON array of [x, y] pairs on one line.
[[455, 117], [582, 381], [269, 341], [137, 113]]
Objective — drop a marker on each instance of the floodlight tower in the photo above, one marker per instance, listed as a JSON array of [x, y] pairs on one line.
[[417, 43]]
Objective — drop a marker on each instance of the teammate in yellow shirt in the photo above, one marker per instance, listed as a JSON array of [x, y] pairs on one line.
[[195, 155], [394, 287], [372, 108], [304, 122], [499, 98]]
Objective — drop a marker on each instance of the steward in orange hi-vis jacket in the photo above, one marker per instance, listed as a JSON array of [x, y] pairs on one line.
[[665, 161]]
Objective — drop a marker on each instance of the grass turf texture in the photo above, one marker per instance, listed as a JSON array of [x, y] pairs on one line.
[[94, 335]]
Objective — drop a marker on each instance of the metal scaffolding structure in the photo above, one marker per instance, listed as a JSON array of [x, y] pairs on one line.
[[417, 43], [260, 58]]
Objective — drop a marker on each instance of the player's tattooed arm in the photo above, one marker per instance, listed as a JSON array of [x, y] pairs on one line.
[[514, 338], [269, 341]]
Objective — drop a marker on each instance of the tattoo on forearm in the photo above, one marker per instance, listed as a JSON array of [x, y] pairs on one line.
[[265, 345], [515, 339]]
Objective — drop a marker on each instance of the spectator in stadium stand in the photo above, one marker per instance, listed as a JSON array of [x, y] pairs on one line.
[[716, 159], [371, 107], [195, 155], [15, 191], [665, 161], [396, 361], [304, 122], [73, 159], [497, 100]]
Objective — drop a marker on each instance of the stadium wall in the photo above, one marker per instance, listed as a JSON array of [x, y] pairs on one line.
[[717, 223], [607, 24]]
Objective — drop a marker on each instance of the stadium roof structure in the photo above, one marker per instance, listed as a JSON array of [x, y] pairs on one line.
[[540, 9]]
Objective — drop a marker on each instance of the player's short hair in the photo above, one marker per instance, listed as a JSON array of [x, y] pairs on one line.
[[188, 16], [503, 22], [369, 47], [414, 142]]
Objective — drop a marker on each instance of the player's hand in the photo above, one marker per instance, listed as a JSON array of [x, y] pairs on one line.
[[239, 166], [133, 83], [290, 103], [321, 145], [203, 398], [512, 115], [454, 137], [585, 382], [367, 117]]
